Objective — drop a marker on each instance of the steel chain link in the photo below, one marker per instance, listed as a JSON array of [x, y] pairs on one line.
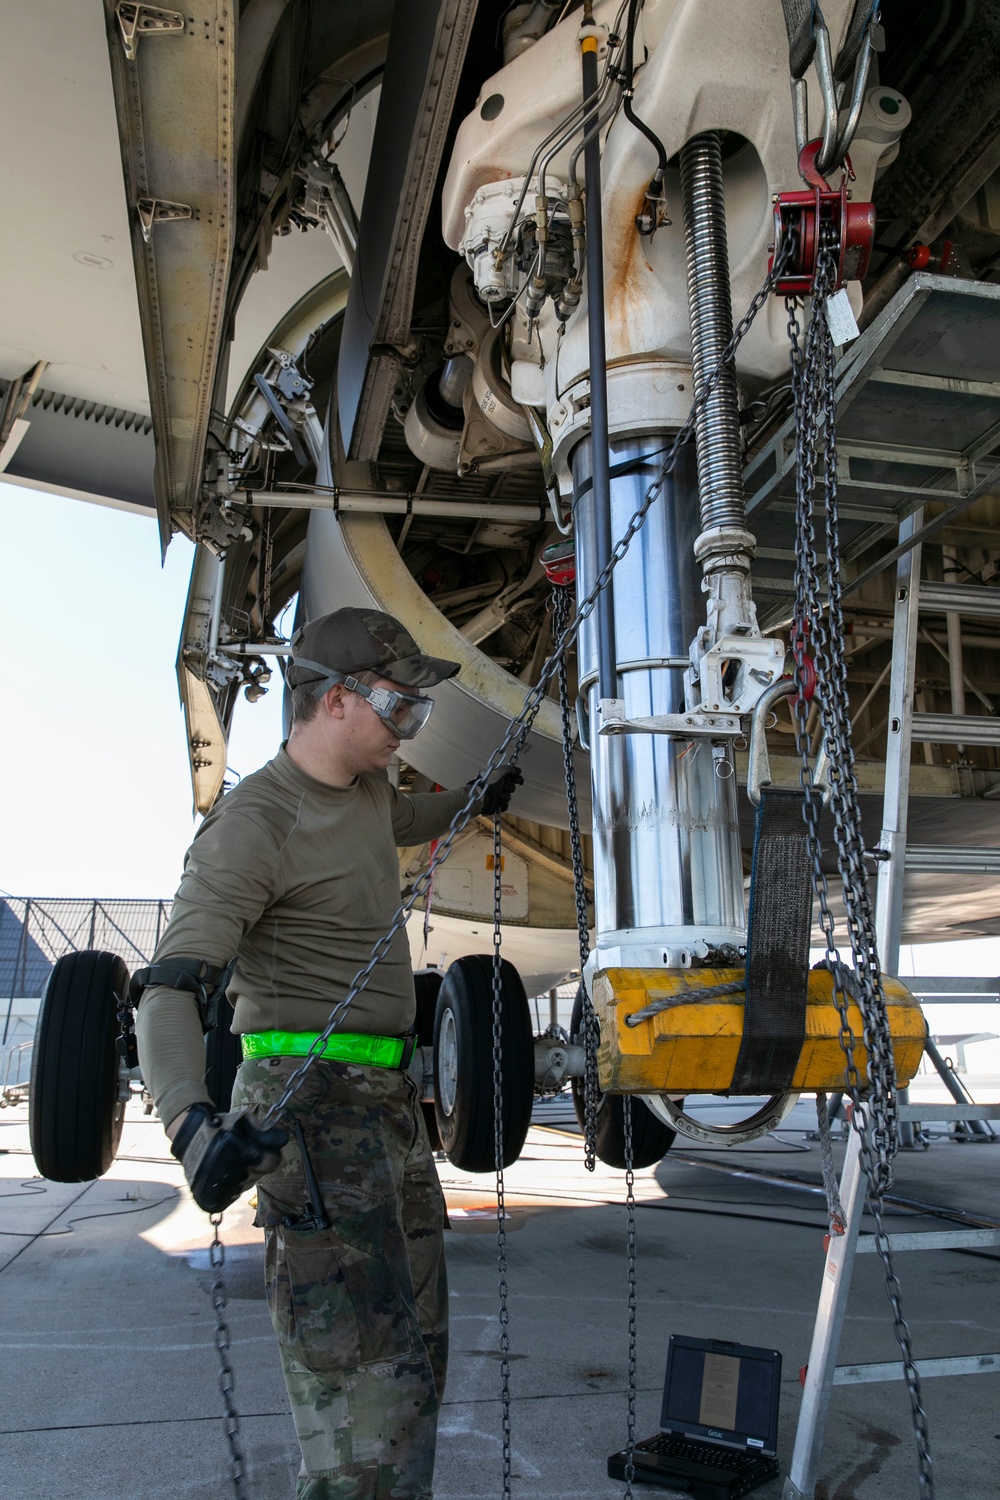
[[875, 1113], [227, 1383], [632, 1332], [514, 739], [591, 1088], [498, 1141]]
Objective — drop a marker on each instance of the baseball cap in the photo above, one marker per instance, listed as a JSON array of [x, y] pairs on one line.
[[365, 640]]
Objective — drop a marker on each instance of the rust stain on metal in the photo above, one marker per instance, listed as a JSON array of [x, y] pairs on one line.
[[625, 251]]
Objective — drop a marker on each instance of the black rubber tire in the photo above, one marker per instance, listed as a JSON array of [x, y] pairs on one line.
[[427, 982], [651, 1139], [75, 1116], [466, 995], [223, 1055]]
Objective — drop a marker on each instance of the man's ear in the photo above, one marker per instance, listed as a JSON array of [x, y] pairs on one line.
[[332, 701]]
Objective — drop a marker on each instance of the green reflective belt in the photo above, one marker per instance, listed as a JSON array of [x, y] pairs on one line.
[[343, 1046]]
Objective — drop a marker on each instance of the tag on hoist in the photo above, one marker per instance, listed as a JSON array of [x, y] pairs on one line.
[[840, 316]]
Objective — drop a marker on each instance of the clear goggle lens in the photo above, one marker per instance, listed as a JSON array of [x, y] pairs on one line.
[[404, 712]]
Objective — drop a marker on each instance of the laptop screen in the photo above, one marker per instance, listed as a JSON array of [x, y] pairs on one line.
[[724, 1392]]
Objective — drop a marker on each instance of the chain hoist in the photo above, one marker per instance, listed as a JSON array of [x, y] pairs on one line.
[[820, 635]]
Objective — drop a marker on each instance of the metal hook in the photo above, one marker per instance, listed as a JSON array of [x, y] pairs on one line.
[[759, 764], [823, 61], [861, 69]]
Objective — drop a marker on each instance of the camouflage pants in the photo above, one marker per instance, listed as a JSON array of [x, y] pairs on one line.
[[360, 1309]]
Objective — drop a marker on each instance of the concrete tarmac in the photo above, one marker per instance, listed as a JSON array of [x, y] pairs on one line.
[[109, 1377]]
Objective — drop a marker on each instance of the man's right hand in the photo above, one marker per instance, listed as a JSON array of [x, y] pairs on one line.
[[224, 1154]]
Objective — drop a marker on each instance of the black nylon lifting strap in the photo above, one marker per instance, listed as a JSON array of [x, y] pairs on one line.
[[778, 929], [801, 43]]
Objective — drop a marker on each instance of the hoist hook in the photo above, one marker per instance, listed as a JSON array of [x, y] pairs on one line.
[[836, 139]]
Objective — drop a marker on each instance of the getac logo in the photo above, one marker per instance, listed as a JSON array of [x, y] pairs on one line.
[[713, 1432]]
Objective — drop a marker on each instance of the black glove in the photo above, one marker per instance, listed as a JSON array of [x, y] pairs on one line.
[[496, 797], [222, 1155]]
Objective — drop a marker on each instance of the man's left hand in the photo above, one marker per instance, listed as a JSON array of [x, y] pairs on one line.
[[496, 797]]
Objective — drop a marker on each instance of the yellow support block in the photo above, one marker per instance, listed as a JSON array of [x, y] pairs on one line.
[[691, 1047]]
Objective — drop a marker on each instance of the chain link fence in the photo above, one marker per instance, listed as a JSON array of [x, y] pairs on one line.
[[36, 931]]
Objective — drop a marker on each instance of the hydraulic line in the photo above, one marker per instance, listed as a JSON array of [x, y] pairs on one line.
[[717, 435], [560, 134], [630, 115], [601, 497]]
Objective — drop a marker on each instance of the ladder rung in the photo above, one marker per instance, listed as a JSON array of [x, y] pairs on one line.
[[929, 1112], [933, 1239], [963, 1364], [946, 859], [955, 729], [932, 987], [960, 599]]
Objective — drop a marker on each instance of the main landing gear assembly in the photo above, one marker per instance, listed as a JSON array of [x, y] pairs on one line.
[[85, 1067]]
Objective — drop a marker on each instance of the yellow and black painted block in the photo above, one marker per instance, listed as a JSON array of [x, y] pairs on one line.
[[691, 1046]]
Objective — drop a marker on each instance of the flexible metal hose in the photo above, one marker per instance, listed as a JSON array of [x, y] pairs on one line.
[[720, 458]]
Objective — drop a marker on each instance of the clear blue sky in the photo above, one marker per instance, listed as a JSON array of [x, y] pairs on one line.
[[96, 791]]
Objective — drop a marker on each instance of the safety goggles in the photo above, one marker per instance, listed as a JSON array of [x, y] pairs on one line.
[[405, 714]]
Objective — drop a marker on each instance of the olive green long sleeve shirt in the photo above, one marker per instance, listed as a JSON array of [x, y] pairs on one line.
[[297, 880]]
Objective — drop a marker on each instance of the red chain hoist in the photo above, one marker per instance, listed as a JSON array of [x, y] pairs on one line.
[[799, 217]]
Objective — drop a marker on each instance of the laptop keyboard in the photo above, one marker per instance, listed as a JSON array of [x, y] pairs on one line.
[[699, 1453]]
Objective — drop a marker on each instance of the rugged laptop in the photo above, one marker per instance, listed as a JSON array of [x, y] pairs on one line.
[[718, 1425]]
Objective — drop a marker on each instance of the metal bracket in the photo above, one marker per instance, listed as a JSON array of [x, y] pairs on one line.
[[144, 20], [696, 725], [282, 418], [761, 660], [158, 211], [765, 1119]]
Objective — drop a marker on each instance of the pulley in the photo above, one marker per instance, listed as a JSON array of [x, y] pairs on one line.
[[800, 219]]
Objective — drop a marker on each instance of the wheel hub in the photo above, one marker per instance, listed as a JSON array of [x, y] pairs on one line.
[[447, 1063]]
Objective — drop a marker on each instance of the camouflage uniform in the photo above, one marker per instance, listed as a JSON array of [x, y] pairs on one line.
[[361, 1309]]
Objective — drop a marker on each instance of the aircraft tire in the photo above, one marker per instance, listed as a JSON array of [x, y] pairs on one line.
[[75, 1116], [223, 1055], [427, 982], [651, 1139], [463, 1064]]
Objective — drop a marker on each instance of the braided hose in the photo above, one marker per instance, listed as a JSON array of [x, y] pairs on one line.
[[720, 457]]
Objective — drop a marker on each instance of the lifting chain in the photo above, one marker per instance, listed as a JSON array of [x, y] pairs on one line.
[[498, 1126], [875, 1113], [498, 1142], [632, 1334], [227, 1384], [513, 740], [591, 1088]]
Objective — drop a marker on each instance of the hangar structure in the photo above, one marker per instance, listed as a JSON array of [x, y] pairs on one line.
[[446, 306]]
